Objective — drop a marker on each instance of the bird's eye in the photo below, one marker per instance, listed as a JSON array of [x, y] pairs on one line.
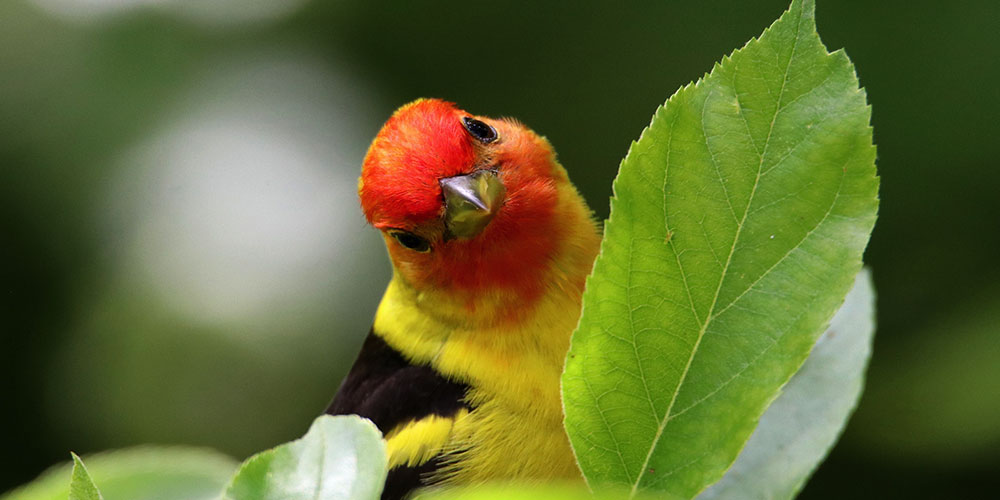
[[410, 240], [481, 131]]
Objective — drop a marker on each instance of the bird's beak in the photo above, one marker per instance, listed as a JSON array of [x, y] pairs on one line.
[[471, 201]]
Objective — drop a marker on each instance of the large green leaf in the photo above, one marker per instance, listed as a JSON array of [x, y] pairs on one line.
[[142, 473], [737, 227], [340, 458], [799, 428], [81, 486]]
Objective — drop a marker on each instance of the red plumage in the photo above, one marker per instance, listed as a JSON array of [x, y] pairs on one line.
[[421, 143], [424, 142]]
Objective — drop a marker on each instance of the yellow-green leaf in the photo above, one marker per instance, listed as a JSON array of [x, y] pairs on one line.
[[81, 486], [140, 473]]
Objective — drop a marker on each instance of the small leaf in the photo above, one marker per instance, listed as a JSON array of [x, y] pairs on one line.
[[81, 487], [141, 473], [340, 457], [737, 227], [800, 427]]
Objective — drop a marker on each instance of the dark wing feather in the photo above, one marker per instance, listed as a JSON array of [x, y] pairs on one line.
[[385, 388]]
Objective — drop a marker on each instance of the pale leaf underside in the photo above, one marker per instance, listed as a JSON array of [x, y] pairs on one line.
[[800, 427]]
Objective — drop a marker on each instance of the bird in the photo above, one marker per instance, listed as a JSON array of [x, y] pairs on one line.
[[490, 245]]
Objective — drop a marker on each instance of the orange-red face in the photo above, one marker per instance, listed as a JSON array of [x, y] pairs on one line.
[[429, 144]]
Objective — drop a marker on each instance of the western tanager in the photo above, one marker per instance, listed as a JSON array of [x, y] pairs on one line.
[[490, 246]]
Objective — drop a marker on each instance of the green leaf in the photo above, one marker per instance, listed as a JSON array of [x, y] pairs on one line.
[[737, 227], [81, 486], [144, 473], [339, 458], [800, 427]]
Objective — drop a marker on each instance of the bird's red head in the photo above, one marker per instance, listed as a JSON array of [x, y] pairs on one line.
[[467, 203]]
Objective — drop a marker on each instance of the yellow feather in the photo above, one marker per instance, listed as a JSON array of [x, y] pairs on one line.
[[513, 369], [416, 442]]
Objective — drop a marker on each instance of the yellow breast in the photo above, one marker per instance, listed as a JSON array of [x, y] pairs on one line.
[[515, 430]]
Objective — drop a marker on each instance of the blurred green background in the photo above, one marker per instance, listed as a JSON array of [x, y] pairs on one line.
[[182, 257]]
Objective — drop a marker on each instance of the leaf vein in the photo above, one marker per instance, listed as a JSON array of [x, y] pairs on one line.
[[722, 277]]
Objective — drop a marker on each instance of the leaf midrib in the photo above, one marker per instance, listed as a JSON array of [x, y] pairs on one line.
[[739, 228]]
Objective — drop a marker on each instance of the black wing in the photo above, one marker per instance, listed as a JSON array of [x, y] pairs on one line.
[[385, 388]]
